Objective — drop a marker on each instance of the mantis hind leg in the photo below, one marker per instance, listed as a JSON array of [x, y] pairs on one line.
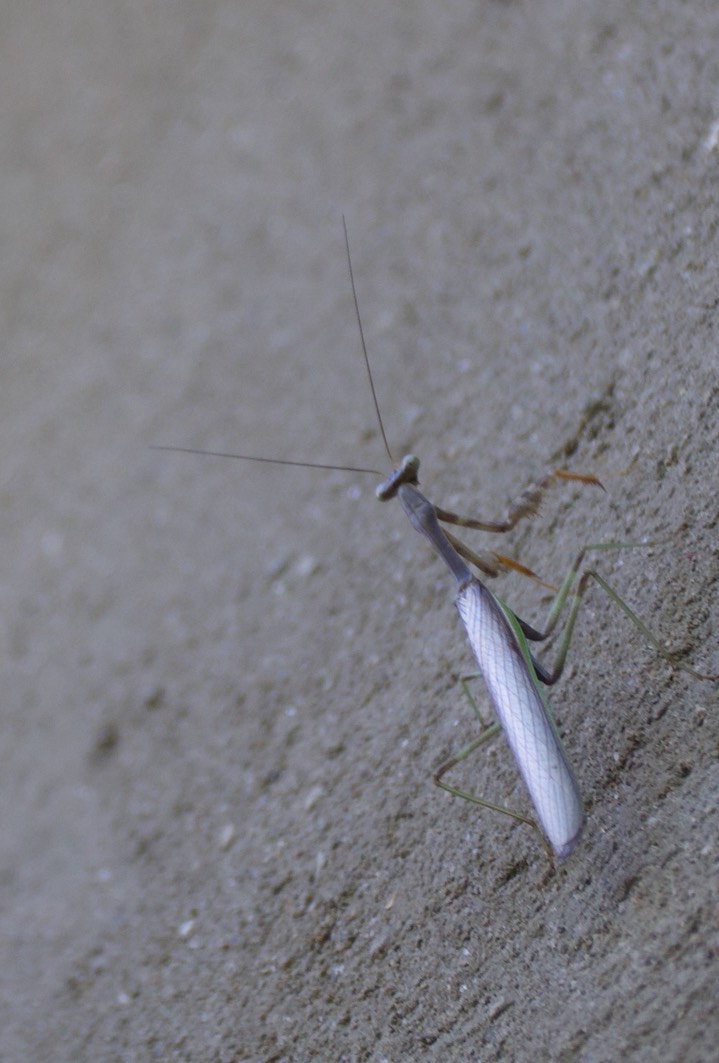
[[489, 731]]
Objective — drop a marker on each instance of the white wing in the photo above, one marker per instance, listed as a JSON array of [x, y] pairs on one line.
[[524, 716]]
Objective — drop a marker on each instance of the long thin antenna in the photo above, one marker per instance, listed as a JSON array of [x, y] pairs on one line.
[[364, 345], [268, 461]]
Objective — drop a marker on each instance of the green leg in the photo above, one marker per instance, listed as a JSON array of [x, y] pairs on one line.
[[576, 598], [489, 731]]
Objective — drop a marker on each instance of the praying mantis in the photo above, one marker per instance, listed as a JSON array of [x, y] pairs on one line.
[[498, 638]]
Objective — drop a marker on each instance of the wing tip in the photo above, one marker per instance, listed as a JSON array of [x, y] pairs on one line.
[[565, 849]]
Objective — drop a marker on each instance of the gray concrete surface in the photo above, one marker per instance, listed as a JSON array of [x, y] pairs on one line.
[[225, 686]]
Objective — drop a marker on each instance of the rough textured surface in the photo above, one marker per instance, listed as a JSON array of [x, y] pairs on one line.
[[225, 686]]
